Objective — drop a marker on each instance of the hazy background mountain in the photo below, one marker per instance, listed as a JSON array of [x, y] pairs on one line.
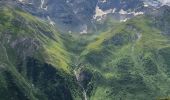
[[82, 15]]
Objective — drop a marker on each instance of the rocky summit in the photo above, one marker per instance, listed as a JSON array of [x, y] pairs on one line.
[[84, 49]]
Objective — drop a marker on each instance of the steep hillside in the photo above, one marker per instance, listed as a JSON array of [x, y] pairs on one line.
[[34, 64], [129, 62]]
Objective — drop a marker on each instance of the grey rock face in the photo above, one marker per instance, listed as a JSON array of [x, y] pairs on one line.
[[81, 15]]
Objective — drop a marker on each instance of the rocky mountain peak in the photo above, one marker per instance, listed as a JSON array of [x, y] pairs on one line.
[[81, 15]]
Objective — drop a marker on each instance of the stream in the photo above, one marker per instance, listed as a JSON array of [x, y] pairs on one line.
[[77, 75], [139, 36]]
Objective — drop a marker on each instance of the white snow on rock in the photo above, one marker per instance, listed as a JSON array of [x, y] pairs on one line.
[[100, 14], [84, 29], [22, 1], [122, 12], [156, 3], [138, 13], [50, 21], [103, 1], [124, 20], [165, 2], [42, 5]]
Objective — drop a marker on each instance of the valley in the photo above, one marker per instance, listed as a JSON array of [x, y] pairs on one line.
[[53, 53]]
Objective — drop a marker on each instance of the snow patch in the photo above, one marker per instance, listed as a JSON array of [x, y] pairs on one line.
[[100, 14], [50, 21], [69, 32], [122, 12], [156, 3], [103, 1], [22, 1], [133, 13], [124, 20], [137, 13], [42, 5], [84, 29], [165, 2], [146, 5]]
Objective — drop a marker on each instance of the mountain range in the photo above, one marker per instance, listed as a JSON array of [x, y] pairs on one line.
[[84, 49]]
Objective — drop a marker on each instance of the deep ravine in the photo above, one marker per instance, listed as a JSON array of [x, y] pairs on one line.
[[77, 73]]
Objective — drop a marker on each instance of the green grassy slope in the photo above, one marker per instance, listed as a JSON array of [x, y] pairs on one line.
[[128, 62], [132, 61], [34, 63], [17, 26]]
